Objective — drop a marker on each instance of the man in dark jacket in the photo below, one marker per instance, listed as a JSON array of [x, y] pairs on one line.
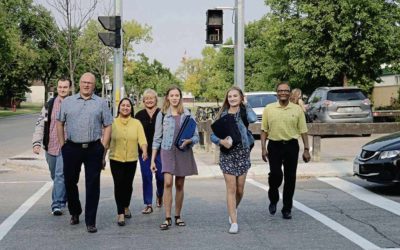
[[45, 136]]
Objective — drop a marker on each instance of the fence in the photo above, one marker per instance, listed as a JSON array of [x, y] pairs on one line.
[[316, 130]]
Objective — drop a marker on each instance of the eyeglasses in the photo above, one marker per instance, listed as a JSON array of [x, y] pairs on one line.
[[283, 91]]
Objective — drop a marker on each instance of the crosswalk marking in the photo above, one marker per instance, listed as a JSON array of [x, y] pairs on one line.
[[20, 182], [345, 232], [8, 223], [363, 194]]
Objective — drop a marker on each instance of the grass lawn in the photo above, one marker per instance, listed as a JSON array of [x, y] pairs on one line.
[[26, 108]]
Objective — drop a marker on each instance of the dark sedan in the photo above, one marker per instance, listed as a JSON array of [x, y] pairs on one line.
[[379, 160]]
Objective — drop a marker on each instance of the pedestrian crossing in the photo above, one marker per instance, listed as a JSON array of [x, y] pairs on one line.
[[312, 206], [353, 190]]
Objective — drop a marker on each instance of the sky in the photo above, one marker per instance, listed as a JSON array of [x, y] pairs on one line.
[[179, 25]]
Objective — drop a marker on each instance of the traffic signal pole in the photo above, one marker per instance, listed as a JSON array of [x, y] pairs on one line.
[[118, 86], [239, 76], [239, 44]]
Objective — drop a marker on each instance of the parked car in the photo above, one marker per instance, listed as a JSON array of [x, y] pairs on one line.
[[338, 105], [379, 160], [258, 101]]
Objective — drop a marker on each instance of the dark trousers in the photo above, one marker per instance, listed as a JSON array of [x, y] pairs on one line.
[[284, 153], [92, 156], [123, 174], [147, 179]]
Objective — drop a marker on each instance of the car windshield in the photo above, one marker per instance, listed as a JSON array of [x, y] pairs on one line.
[[260, 100], [345, 95]]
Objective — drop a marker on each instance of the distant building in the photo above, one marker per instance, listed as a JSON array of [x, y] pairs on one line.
[[37, 94], [386, 92], [187, 97]]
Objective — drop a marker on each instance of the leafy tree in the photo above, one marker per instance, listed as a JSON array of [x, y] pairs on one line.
[[27, 53], [327, 42], [141, 74]]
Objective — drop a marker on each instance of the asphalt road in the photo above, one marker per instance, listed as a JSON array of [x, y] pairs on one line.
[[16, 134], [206, 218], [329, 213]]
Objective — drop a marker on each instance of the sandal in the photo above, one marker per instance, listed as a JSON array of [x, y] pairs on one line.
[[179, 222], [166, 224], [159, 201], [128, 213], [147, 210], [121, 220]]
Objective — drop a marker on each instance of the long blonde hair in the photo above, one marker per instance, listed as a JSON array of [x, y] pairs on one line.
[[225, 104], [167, 104]]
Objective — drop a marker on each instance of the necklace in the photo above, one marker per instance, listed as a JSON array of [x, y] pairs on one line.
[[151, 112]]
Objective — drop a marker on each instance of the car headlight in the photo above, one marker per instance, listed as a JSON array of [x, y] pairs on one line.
[[389, 154]]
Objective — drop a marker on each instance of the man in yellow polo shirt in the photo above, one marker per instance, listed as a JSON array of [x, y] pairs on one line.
[[282, 124]]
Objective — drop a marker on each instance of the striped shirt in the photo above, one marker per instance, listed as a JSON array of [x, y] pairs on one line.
[[84, 119], [54, 147]]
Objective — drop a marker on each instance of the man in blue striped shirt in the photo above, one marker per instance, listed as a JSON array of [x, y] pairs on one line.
[[85, 116]]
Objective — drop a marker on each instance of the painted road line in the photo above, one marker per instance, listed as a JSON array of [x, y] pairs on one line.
[[8, 223], [20, 182], [345, 232], [363, 194]]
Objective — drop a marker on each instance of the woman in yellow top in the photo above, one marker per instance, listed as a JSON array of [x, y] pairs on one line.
[[127, 133]]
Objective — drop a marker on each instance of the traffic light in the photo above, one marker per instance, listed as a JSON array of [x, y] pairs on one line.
[[111, 23], [214, 26]]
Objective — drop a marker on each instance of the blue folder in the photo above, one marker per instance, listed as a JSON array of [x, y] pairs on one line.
[[186, 131]]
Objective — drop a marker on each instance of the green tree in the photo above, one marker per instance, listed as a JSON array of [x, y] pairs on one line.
[[141, 74], [28, 54], [332, 43]]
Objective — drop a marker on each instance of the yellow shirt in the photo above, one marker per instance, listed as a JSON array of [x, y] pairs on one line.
[[126, 134], [283, 123]]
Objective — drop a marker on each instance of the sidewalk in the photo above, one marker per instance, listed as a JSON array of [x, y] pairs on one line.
[[205, 164]]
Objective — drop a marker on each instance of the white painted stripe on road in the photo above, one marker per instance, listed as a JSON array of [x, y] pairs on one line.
[[20, 182], [8, 223], [363, 194], [345, 232]]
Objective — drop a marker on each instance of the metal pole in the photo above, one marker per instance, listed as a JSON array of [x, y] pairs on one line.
[[118, 86], [239, 44]]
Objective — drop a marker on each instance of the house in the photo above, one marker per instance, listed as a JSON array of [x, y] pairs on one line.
[[37, 94], [386, 92], [187, 97]]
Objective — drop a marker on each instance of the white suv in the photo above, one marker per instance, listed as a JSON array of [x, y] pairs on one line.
[[258, 100]]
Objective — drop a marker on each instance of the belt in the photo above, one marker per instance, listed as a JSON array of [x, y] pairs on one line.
[[83, 144], [284, 142]]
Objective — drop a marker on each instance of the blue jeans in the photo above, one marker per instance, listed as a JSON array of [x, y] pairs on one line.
[[59, 196], [147, 179]]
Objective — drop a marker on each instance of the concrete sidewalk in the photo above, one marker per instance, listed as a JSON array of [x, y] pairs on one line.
[[205, 164]]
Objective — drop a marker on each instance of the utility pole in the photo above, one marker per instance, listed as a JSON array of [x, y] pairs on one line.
[[118, 86], [239, 44]]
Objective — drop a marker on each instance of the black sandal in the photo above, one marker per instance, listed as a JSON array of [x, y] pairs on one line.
[[179, 222], [159, 201], [147, 210], [166, 224]]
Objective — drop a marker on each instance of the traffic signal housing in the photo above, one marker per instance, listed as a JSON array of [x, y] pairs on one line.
[[215, 23], [111, 23]]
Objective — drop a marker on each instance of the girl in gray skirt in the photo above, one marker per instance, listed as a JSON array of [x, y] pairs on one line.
[[174, 161]]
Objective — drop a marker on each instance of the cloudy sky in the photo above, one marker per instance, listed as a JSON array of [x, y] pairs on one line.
[[179, 25]]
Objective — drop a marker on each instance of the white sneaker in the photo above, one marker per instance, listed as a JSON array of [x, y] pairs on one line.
[[234, 228], [230, 220], [57, 212]]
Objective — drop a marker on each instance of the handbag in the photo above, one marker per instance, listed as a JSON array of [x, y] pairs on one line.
[[224, 127], [185, 132]]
